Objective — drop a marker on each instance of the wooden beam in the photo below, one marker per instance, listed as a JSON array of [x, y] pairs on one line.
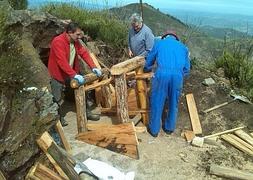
[[141, 88], [121, 98], [128, 65], [44, 143], [189, 135], [224, 132], [242, 134], [98, 84], [60, 131], [62, 160], [80, 109], [229, 172], [196, 126], [130, 112], [44, 173], [237, 144]]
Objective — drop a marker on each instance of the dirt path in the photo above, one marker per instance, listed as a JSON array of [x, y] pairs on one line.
[[171, 157], [160, 158]]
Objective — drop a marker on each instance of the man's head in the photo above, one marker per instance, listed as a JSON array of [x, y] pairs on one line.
[[136, 22], [74, 31], [170, 33]]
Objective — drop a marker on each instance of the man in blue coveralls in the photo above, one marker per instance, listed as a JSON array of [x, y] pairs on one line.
[[173, 63]]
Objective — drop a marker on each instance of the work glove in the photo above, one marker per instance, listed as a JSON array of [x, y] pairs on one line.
[[80, 79], [97, 71]]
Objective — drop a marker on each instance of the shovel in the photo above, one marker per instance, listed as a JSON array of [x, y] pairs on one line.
[[235, 97]]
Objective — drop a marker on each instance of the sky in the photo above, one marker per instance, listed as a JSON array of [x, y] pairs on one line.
[[243, 7]]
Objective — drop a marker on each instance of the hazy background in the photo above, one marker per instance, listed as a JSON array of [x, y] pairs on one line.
[[236, 14]]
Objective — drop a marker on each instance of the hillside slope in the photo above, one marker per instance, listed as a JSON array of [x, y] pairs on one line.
[[200, 45]]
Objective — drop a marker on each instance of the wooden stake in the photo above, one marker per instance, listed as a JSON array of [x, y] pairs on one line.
[[196, 126], [142, 96], [97, 84], [80, 109], [121, 98], [65, 143], [230, 173]]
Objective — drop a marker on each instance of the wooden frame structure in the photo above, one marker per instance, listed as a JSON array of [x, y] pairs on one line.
[[131, 68]]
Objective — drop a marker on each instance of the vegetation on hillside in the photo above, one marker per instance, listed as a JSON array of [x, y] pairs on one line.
[[237, 61], [97, 24], [12, 66], [18, 4]]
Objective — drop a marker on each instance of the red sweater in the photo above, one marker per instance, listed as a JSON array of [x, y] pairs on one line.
[[58, 63]]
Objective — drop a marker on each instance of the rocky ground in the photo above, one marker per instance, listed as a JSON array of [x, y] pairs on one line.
[[170, 156]]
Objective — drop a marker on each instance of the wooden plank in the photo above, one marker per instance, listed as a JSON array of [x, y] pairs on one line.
[[118, 138], [140, 129], [237, 144], [80, 109], [121, 98], [30, 175], [44, 173], [44, 143], [224, 132], [242, 134], [189, 135], [141, 88], [128, 65], [60, 160], [65, 143], [230, 173], [196, 126], [250, 147]]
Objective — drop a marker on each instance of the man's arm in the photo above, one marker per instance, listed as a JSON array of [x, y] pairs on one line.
[[58, 50]]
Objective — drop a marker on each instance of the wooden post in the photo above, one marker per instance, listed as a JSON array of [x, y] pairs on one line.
[[142, 96], [121, 97], [81, 109], [65, 143]]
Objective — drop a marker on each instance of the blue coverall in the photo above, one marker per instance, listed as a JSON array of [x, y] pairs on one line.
[[173, 64]]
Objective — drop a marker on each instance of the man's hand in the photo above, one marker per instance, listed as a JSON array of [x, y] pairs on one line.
[[80, 79], [97, 71], [130, 53]]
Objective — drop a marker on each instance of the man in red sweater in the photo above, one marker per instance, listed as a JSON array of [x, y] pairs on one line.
[[63, 63]]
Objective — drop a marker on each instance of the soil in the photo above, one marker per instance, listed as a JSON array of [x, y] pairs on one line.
[[170, 156]]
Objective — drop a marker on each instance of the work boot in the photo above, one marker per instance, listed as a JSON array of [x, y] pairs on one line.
[[91, 116]]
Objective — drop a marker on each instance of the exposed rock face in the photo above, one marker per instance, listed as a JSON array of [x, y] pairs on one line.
[[26, 113]]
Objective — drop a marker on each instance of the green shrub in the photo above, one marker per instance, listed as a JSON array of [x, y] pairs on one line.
[[98, 24], [18, 4], [237, 63]]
